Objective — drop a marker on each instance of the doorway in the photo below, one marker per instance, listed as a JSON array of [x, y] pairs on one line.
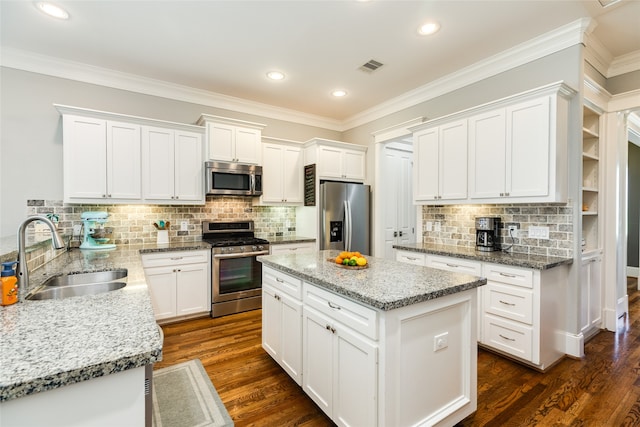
[[399, 213]]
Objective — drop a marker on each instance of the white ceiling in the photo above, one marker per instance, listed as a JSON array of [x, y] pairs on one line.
[[226, 47]]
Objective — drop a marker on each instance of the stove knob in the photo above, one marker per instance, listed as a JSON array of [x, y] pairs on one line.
[[254, 248], [261, 248]]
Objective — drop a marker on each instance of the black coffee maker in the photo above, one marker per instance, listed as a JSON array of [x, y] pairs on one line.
[[487, 233]]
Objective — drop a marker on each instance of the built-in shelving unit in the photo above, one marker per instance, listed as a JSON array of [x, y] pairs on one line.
[[591, 176]]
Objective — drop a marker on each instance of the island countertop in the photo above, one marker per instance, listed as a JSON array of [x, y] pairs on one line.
[[48, 344], [384, 285]]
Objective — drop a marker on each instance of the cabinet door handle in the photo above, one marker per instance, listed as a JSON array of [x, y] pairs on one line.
[[176, 258], [293, 249], [276, 296], [506, 303], [279, 280], [506, 338], [410, 258], [508, 275], [453, 265], [337, 307]]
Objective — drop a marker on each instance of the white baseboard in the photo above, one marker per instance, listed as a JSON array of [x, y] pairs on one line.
[[633, 272], [574, 345]]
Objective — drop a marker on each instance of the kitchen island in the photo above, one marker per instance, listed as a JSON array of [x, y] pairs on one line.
[[83, 360], [387, 345]]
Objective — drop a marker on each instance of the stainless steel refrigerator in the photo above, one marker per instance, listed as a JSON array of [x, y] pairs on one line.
[[345, 217]]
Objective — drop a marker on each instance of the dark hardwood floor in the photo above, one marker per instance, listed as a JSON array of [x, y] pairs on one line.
[[602, 389]]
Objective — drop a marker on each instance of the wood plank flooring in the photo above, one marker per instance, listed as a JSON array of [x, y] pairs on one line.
[[603, 389]]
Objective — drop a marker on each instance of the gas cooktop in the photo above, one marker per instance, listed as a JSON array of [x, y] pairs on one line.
[[232, 233]]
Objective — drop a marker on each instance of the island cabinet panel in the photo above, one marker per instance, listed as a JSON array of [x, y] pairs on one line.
[[282, 321], [340, 372], [290, 248]]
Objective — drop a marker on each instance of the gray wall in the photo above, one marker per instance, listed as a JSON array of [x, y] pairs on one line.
[[633, 206], [31, 134]]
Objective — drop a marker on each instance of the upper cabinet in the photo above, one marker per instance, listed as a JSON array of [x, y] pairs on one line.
[[231, 140], [441, 155], [282, 173], [335, 160], [112, 158], [515, 151], [172, 165]]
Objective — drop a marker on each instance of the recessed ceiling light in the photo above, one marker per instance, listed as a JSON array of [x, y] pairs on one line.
[[428, 28], [53, 10], [275, 75], [339, 93]]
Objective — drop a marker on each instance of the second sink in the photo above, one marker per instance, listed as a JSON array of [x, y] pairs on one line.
[[85, 278], [80, 284]]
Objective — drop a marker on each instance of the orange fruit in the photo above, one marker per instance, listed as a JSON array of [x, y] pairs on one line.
[[357, 254], [338, 260], [344, 255]]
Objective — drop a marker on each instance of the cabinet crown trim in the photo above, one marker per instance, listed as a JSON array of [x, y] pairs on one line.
[[106, 115], [204, 118], [332, 143], [281, 141], [558, 88]]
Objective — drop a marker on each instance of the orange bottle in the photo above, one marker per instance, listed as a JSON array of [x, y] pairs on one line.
[[9, 284]]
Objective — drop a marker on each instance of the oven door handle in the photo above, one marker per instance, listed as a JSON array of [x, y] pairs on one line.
[[241, 254]]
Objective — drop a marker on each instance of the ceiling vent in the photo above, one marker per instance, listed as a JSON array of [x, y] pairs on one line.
[[371, 66]]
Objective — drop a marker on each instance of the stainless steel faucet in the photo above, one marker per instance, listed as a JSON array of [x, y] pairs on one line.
[[22, 269]]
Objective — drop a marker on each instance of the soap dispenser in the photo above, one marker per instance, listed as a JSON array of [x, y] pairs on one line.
[[9, 283]]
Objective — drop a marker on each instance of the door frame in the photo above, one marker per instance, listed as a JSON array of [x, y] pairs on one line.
[[383, 137]]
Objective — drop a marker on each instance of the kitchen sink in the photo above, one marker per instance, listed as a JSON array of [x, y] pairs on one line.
[[79, 284]]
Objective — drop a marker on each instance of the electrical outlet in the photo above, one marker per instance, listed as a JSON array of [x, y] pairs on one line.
[[537, 232], [512, 229], [184, 226], [429, 226], [436, 226], [441, 341], [76, 229]]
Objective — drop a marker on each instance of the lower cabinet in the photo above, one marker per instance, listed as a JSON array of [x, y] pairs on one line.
[[340, 370], [520, 310], [179, 283], [591, 294], [282, 321]]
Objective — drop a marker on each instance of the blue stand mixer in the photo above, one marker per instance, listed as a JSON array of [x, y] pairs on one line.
[[95, 234]]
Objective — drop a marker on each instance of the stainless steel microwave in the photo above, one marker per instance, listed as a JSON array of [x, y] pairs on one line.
[[233, 179]]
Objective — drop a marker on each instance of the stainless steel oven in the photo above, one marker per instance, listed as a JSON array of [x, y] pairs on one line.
[[236, 282]]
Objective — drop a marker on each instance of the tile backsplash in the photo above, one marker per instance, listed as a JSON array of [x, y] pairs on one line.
[[457, 226], [133, 224]]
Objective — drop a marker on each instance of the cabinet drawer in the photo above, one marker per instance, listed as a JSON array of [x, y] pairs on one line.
[[455, 265], [508, 301], [292, 248], [510, 337], [511, 275], [162, 259], [353, 315], [416, 258], [282, 282]]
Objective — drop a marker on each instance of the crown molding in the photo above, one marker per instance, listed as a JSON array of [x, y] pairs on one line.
[[56, 67], [624, 64], [536, 48], [548, 43]]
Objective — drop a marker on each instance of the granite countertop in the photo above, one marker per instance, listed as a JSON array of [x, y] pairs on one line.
[[536, 262], [385, 285], [281, 240], [52, 343]]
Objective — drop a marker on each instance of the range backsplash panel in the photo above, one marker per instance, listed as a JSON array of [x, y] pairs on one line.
[[133, 224]]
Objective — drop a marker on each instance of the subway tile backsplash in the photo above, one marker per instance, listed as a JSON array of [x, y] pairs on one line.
[[133, 224], [457, 226]]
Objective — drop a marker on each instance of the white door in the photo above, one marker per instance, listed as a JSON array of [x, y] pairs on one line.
[[271, 322], [191, 289], [85, 158], [162, 289], [399, 210], [123, 161], [453, 160], [317, 377], [426, 150], [158, 163], [291, 344], [487, 151]]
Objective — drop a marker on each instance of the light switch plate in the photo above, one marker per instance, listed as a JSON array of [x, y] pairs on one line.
[[441, 341], [538, 232], [184, 226]]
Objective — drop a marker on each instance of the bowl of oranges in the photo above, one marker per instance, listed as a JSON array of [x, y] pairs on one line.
[[351, 260]]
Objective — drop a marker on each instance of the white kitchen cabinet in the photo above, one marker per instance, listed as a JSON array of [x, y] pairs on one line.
[[336, 160], [510, 152], [591, 294], [282, 174], [289, 248], [101, 160], [179, 283], [282, 320], [172, 165], [455, 265], [416, 258], [441, 157], [231, 140], [339, 364], [523, 312]]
